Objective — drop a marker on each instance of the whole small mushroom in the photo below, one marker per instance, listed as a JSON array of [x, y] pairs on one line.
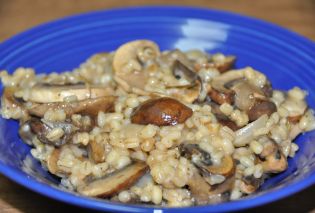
[[161, 112]]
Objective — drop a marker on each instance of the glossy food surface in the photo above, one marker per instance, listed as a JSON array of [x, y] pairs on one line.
[[286, 58]]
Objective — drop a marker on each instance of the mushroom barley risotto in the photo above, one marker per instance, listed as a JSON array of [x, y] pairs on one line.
[[167, 128]]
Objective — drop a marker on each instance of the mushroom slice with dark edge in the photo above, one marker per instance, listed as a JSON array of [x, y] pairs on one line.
[[189, 87], [161, 112], [221, 192], [273, 160], [250, 184], [219, 93], [221, 118], [183, 73], [203, 193], [114, 183], [199, 188], [90, 106], [96, 151], [261, 107], [232, 88], [42, 130], [133, 78], [246, 134], [12, 104], [202, 160], [45, 93]]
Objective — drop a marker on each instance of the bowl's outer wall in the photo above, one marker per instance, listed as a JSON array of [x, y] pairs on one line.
[[287, 60]]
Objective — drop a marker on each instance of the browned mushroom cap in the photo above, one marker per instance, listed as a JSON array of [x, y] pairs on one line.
[[202, 160], [45, 93], [114, 183], [89, 107], [231, 87], [161, 112], [96, 151], [221, 97], [261, 107], [139, 52], [250, 184], [42, 131]]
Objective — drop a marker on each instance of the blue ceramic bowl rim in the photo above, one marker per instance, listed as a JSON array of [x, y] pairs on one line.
[[96, 204]]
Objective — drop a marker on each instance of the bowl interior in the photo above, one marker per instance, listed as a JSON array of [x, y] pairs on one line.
[[284, 57]]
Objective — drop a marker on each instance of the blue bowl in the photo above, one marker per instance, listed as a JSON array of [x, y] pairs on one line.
[[285, 57]]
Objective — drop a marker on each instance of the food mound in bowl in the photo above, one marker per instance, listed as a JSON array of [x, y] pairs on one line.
[[168, 128]]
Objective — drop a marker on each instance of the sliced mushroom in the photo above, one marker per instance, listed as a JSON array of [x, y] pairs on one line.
[[246, 95], [189, 86], [226, 168], [161, 112], [203, 193], [275, 163], [221, 118], [246, 134], [52, 161], [114, 183], [12, 106], [221, 97], [225, 121], [202, 160], [199, 188], [294, 119], [269, 147], [223, 82], [96, 151], [261, 107], [221, 192], [88, 106], [45, 93], [129, 63], [43, 129], [250, 184], [223, 65], [231, 87], [184, 75], [273, 160]]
